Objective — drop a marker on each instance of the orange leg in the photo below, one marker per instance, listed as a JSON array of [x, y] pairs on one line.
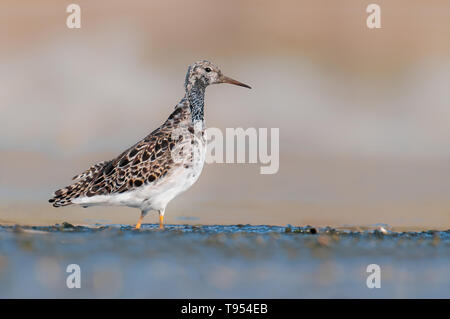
[[138, 225], [161, 221]]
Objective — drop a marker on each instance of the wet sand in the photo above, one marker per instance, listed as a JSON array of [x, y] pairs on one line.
[[211, 261]]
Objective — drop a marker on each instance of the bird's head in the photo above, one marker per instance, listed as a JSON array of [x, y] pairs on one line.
[[205, 73]]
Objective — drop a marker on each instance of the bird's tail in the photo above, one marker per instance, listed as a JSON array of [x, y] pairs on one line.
[[64, 196]]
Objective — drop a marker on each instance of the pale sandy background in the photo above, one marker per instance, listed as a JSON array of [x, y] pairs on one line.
[[364, 115]]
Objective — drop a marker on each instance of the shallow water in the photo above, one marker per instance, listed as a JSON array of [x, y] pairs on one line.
[[212, 261]]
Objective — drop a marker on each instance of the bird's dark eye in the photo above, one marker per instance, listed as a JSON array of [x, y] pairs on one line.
[[207, 69]]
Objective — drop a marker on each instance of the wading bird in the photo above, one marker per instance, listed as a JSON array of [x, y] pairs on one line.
[[165, 163]]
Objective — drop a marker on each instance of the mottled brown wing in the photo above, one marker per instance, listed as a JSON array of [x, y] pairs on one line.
[[93, 170], [144, 163]]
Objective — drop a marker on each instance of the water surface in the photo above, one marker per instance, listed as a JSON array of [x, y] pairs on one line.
[[186, 261]]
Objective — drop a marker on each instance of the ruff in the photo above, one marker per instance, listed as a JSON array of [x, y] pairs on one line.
[[164, 164]]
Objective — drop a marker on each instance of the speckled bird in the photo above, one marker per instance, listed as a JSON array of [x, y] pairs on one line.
[[168, 161]]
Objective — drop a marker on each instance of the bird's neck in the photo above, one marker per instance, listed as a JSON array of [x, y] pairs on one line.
[[196, 96]]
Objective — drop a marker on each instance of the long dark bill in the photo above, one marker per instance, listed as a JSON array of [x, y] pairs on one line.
[[226, 79]]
